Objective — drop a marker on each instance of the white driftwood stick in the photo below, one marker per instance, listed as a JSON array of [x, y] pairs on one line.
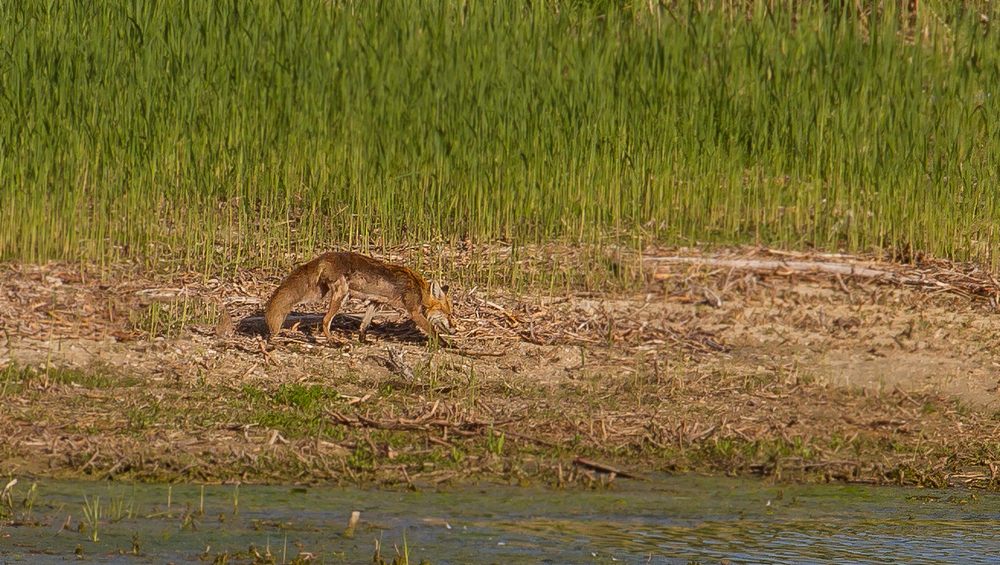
[[851, 269]]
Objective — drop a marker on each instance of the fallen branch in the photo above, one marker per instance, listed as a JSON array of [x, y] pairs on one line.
[[604, 468], [852, 269], [400, 424]]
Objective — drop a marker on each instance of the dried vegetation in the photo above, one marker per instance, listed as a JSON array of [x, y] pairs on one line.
[[741, 362]]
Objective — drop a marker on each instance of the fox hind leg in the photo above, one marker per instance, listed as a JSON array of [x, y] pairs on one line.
[[338, 295]]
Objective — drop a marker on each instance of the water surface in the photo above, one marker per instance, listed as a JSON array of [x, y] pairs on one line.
[[670, 520]]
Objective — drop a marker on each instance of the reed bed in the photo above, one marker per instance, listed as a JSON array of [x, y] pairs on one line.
[[217, 135]]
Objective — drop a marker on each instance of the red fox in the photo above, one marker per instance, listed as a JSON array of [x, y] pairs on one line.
[[345, 273]]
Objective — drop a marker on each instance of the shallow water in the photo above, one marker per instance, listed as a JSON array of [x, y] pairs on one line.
[[671, 520]]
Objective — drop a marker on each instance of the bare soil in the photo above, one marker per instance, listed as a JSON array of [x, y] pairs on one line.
[[710, 367]]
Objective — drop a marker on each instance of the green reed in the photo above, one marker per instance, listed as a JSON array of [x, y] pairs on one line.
[[220, 134]]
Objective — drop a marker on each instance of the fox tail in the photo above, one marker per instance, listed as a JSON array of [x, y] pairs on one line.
[[288, 294]]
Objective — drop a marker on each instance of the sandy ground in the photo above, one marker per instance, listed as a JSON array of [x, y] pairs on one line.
[[791, 374]]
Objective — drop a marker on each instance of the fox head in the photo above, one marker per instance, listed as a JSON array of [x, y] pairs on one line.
[[438, 309]]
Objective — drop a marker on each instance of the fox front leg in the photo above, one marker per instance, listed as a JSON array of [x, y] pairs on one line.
[[433, 334], [369, 314], [418, 318], [425, 324]]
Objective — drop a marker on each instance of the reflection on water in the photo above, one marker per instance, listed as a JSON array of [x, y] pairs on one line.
[[672, 520]]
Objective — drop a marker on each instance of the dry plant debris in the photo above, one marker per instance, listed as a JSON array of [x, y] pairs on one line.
[[749, 361]]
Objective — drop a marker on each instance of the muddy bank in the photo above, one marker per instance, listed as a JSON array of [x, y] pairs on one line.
[[701, 367]]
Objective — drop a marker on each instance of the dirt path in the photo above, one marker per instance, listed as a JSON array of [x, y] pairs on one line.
[[789, 374]]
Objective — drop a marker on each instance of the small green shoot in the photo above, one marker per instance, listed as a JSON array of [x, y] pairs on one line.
[[494, 441], [92, 515]]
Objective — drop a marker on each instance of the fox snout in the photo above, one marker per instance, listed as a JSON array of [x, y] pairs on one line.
[[441, 322]]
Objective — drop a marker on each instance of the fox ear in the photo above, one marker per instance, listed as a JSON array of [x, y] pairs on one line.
[[437, 291]]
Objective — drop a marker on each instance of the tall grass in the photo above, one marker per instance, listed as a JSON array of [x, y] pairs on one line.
[[219, 134]]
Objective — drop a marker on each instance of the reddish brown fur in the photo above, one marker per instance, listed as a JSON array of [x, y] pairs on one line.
[[344, 273]]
